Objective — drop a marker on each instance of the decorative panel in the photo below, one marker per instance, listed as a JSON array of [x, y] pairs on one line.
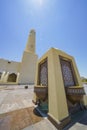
[[43, 73], [67, 72], [75, 91]]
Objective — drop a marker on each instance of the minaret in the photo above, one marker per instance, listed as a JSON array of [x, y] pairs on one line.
[[29, 60], [30, 47]]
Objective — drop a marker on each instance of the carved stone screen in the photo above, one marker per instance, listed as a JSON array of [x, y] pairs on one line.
[[43, 73], [67, 72]]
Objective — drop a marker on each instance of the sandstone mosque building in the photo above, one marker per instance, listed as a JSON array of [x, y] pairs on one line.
[[12, 72]]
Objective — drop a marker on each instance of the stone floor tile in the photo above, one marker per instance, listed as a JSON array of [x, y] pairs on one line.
[[44, 125], [17, 98], [78, 126], [5, 123], [30, 128]]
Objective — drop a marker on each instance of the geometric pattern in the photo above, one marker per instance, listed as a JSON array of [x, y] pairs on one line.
[[67, 73], [43, 74]]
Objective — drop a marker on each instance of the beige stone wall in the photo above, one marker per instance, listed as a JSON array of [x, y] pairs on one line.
[[28, 68], [8, 67], [85, 100]]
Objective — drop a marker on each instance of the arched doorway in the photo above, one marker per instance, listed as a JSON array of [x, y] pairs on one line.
[[12, 77]]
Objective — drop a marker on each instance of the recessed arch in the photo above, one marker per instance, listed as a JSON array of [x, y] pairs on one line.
[[12, 77], [0, 75]]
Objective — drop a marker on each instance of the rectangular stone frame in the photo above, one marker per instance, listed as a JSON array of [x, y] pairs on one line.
[[39, 69], [72, 71]]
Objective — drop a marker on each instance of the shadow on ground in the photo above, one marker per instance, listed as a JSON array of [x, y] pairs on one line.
[[19, 119], [80, 117]]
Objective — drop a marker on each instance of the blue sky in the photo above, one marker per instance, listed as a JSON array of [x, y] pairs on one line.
[[58, 23]]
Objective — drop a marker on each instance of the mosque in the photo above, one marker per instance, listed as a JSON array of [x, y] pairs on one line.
[[58, 90], [12, 72]]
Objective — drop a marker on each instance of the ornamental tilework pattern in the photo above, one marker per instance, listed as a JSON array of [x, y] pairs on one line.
[[43, 74], [67, 73]]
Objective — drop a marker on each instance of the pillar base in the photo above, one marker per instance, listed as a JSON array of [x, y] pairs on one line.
[[59, 125]]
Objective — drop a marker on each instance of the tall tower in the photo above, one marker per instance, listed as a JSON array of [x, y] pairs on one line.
[[29, 60], [30, 46]]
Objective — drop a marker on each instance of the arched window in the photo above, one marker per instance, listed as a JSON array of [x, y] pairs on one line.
[[12, 77]]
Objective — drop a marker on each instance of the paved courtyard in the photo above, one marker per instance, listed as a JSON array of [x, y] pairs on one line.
[[15, 97], [17, 111], [16, 107]]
